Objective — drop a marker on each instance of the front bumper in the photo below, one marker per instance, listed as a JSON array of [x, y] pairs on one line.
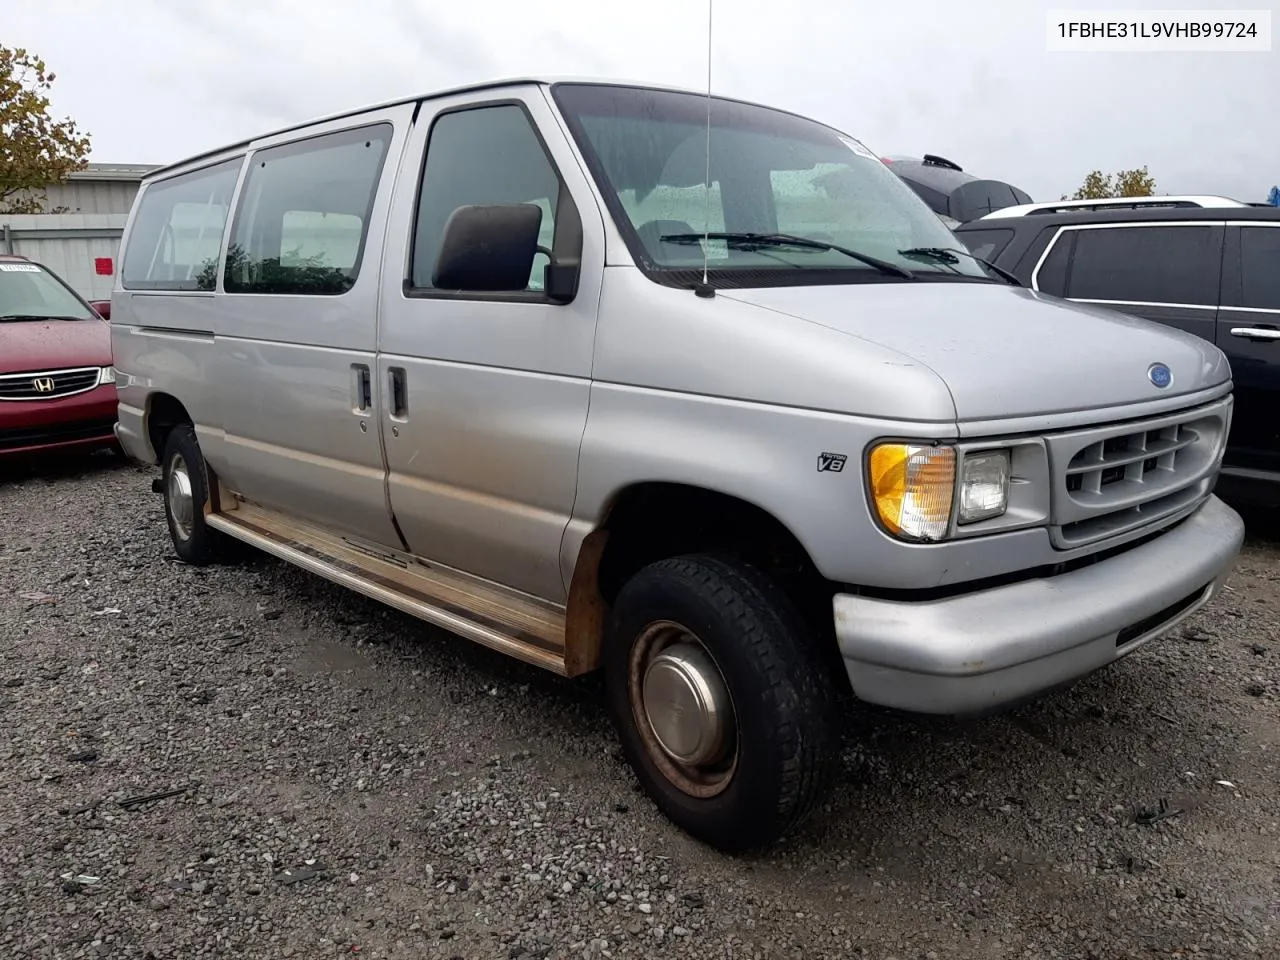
[[78, 423], [993, 648], [131, 434]]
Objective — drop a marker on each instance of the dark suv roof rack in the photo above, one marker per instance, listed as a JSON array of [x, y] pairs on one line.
[[1112, 203]]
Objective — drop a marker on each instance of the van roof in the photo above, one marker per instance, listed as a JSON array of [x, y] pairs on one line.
[[542, 81]]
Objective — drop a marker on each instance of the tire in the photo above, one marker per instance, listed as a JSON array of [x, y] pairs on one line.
[[183, 469], [780, 689]]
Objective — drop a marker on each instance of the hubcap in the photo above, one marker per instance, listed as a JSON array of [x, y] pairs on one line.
[[684, 698], [683, 709], [181, 502]]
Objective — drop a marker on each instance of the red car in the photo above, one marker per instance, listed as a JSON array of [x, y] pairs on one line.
[[57, 386]]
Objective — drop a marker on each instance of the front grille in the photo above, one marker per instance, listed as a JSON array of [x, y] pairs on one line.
[[56, 433], [1113, 479], [48, 384]]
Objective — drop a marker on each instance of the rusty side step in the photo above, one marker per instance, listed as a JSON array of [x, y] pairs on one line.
[[514, 623]]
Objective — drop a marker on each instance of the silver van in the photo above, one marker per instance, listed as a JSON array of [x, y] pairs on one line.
[[688, 390]]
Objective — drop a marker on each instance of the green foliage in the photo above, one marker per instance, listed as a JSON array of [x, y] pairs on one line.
[[306, 275], [36, 150], [1127, 183]]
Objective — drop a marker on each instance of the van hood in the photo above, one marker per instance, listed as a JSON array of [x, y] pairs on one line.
[[53, 344], [996, 345]]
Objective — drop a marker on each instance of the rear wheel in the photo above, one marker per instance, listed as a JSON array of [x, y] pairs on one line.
[[185, 481], [722, 703]]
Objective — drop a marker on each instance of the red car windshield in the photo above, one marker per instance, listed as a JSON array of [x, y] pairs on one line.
[[29, 292]]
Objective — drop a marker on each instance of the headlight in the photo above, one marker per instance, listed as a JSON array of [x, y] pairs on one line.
[[912, 487], [984, 486], [107, 375]]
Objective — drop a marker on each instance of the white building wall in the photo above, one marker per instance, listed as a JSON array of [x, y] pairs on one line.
[[92, 196], [69, 245]]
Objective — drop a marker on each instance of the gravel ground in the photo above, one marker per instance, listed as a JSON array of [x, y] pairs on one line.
[[346, 781]]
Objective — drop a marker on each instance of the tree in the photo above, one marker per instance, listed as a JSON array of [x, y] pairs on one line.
[[36, 150], [1127, 183], [1135, 183]]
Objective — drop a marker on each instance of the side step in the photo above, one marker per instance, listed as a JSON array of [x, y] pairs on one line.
[[514, 623]]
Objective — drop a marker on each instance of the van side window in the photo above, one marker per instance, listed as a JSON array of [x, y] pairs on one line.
[[482, 155], [302, 219], [1260, 266], [177, 231], [1165, 264]]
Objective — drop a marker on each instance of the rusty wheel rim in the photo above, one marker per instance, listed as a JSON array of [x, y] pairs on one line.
[[683, 710]]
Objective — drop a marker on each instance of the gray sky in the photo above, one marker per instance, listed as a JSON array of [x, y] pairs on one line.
[[154, 80]]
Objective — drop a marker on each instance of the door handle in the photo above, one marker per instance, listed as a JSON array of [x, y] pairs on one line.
[[399, 393], [1256, 333], [361, 387]]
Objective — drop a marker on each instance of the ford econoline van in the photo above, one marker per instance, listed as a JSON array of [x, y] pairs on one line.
[[691, 391]]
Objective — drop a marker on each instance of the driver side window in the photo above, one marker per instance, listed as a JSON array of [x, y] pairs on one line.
[[487, 154]]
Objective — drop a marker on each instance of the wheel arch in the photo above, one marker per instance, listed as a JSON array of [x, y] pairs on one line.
[[652, 520], [164, 411]]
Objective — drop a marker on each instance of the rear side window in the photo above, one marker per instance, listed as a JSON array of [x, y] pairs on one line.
[[1166, 264], [176, 237], [1260, 267], [303, 215], [1051, 276], [986, 244]]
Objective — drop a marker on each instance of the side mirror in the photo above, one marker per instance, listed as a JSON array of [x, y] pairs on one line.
[[102, 307], [488, 247]]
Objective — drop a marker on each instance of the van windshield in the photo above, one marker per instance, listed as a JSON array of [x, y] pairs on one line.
[[770, 173], [29, 292]]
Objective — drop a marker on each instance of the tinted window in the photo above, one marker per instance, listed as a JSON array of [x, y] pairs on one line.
[[483, 155], [1052, 275], [177, 231], [1260, 266], [303, 215], [986, 244], [1177, 265]]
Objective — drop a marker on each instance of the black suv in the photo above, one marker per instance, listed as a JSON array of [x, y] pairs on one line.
[[1207, 265]]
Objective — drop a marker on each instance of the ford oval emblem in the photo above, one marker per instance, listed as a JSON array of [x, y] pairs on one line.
[[1160, 375]]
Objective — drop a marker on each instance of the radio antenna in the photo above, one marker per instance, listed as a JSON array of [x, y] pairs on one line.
[[705, 289]]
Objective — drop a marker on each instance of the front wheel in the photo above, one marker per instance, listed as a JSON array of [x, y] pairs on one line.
[[722, 703]]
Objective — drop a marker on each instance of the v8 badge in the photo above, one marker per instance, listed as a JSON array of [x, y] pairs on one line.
[[833, 462]]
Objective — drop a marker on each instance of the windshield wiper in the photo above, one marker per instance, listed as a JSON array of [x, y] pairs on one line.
[[36, 316], [948, 255], [745, 241]]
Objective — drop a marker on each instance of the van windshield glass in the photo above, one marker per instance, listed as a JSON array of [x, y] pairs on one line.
[[771, 173], [29, 292]]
